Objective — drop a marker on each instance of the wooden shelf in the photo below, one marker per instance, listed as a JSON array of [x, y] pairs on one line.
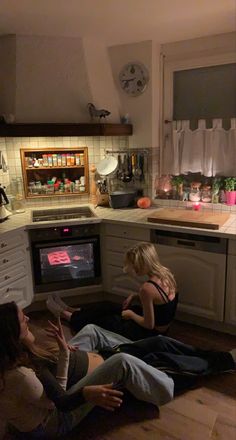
[[53, 168], [43, 174], [60, 129], [57, 194]]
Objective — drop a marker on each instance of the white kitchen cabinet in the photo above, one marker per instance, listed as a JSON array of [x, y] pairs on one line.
[[116, 240], [15, 269], [230, 294], [200, 278], [11, 240]]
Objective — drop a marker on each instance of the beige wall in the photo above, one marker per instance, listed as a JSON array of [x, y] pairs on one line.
[[142, 109], [213, 45], [55, 78], [52, 82], [104, 94], [7, 74]]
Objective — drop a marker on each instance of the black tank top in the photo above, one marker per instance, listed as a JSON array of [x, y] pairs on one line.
[[164, 313]]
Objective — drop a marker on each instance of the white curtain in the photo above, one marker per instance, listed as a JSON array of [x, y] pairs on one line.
[[210, 151]]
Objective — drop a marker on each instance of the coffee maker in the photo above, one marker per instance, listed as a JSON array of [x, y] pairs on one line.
[[4, 213]]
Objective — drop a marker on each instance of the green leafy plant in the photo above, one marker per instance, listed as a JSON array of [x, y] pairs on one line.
[[177, 180], [230, 183], [216, 185]]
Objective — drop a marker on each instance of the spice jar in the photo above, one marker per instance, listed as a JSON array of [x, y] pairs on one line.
[[195, 193]]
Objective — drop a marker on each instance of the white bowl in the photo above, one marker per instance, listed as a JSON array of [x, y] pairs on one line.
[[107, 166]]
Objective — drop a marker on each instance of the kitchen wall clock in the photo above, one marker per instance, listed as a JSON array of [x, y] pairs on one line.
[[134, 78]]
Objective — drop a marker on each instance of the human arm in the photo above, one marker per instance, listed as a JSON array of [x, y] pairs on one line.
[[63, 358], [101, 395], [148, 319], [63, 400], [128, 301], [31, 389]]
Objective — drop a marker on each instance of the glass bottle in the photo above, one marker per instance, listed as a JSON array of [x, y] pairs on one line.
[[206, 194], [195, 193], [16, 190]]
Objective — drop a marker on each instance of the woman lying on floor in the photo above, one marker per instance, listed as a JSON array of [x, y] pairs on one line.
[[23, 402], [67, 389], [183, 363], [157, 298]]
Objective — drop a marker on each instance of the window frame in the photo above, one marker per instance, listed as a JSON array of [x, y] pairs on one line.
[[171, 66]]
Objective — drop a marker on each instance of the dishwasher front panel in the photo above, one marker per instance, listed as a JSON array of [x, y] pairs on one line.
[[200, 277]]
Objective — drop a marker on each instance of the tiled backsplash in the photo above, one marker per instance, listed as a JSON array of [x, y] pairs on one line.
[[97, 147], [4, 176]]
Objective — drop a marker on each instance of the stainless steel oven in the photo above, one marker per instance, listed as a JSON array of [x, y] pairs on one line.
[[65, 257]]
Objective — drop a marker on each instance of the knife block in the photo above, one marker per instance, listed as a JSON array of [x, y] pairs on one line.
[[102, 198]]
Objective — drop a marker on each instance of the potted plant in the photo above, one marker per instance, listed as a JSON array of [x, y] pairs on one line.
[[177, 183], [216, 185], [230, 183]]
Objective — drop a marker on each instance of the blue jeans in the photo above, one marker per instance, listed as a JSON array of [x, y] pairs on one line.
[[125, 371], [95, 338], [159, 351]]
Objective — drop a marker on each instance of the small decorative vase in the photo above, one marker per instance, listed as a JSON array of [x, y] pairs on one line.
[[215, 198], [230, 197]]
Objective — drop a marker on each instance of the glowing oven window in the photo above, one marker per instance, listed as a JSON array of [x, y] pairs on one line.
[[67, 262]]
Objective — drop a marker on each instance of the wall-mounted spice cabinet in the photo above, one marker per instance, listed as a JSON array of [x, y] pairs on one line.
[[49, 172]]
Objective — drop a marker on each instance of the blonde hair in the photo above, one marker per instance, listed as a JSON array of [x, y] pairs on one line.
[[144, 260]]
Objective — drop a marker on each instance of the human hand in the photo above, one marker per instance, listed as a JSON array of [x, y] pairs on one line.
[[127, 302], [72, 347], [103, 395], [127, 314], [57, 332]]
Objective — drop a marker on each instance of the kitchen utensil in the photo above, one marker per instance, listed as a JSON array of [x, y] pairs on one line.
[[126, 169], [129, 167], [3, 197], [141, 167], [4, 213], [119, 174], [102, 199], [3, 165], [196, 219], [107, 166], [133, 164], [138, 171]]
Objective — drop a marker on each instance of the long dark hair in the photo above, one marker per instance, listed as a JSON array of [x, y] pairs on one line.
[[10, 345]]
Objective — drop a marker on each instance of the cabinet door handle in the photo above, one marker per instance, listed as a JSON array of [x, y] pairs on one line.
[[3, 245], [5, 261], [13, 289]]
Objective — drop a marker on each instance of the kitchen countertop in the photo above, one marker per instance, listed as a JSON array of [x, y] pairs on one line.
[[126, 216]]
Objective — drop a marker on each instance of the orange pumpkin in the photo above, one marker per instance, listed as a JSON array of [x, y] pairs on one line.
[[144, 202]]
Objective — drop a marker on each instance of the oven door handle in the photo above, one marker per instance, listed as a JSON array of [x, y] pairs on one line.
[[61, 242]]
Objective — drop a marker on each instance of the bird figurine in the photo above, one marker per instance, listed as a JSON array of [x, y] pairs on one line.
[[97, 113]]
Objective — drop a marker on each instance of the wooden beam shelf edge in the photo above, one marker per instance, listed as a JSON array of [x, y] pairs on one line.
[[67, 129]]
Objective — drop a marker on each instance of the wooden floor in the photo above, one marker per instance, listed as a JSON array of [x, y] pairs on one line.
[[208, 412]]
